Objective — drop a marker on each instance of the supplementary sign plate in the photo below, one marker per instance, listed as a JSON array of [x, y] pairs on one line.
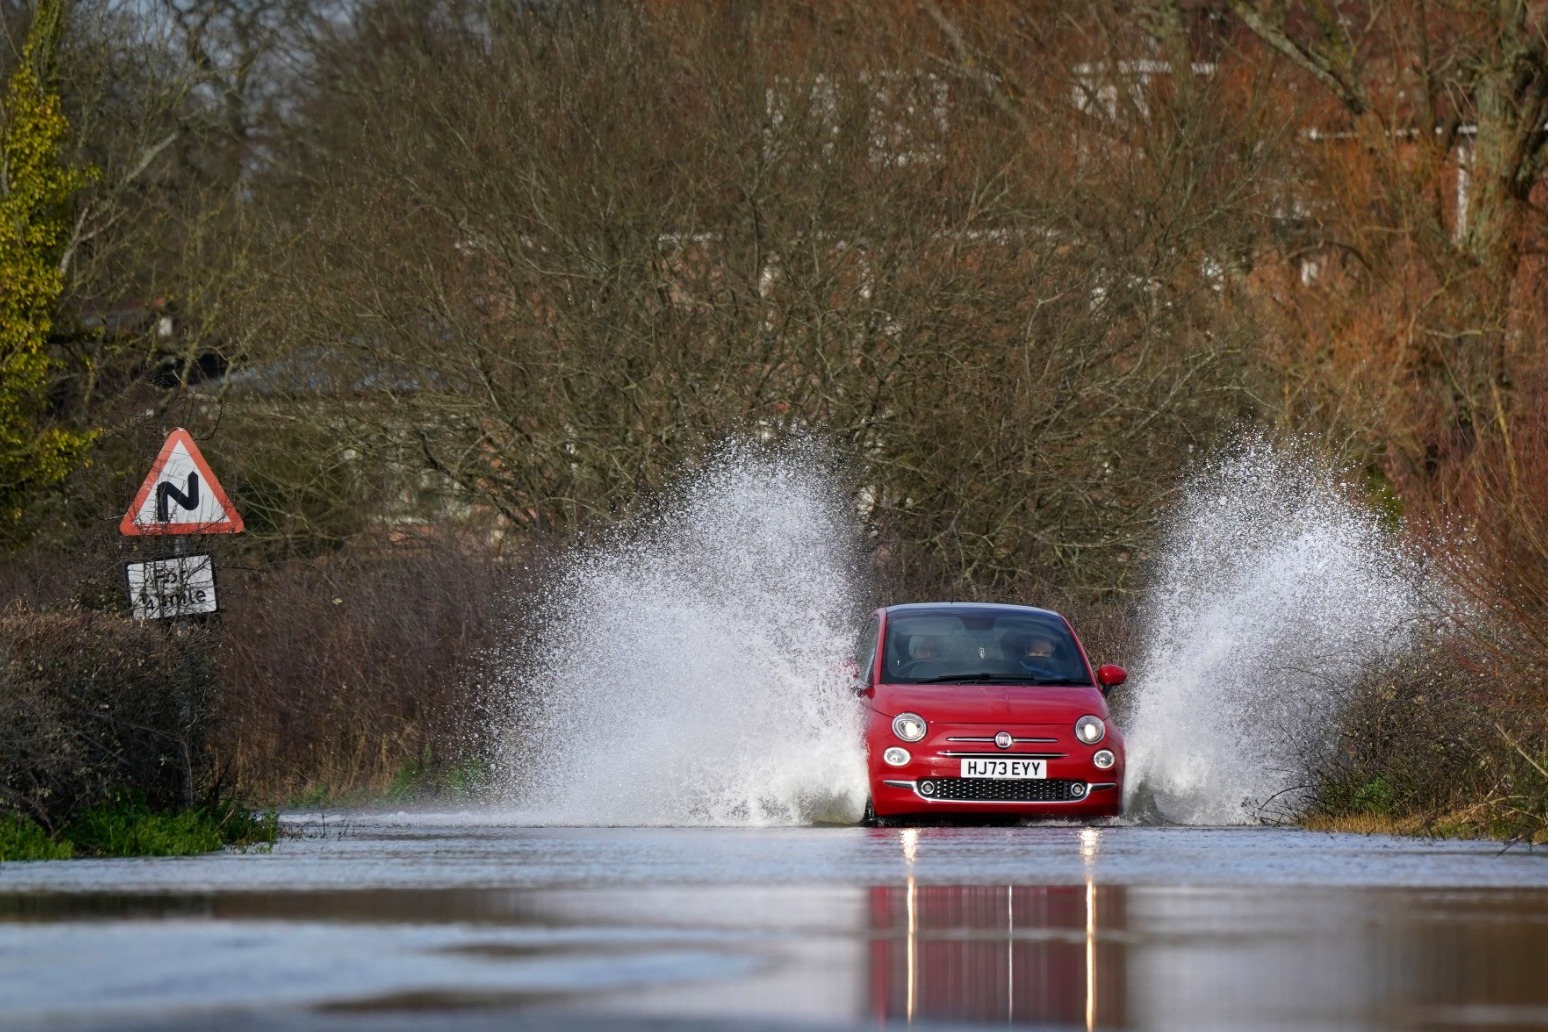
[[181, 495], [183, 585]]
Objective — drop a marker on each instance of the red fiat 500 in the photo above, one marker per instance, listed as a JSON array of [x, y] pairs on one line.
[[978, 709]]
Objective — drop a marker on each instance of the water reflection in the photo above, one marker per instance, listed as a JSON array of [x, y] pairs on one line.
[[1113, 956], [997, 954], [951, 929], [1084, 955]]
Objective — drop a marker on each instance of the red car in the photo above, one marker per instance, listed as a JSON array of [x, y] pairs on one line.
[[983, 710]]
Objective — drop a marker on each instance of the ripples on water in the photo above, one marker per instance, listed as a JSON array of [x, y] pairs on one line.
[[1274, 595], [689, 673]]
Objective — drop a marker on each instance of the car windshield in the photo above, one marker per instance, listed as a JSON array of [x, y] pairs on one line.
[[981, 648]]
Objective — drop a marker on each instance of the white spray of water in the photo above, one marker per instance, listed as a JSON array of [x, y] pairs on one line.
[[691, 672], [1274, 596]]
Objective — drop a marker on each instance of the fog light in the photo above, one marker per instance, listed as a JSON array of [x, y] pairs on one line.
[[1077, 790], [927, 788], [1090, 730], [1103, 758], [896, 756]]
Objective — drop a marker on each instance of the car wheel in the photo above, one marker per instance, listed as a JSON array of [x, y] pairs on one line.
[[870, 820]]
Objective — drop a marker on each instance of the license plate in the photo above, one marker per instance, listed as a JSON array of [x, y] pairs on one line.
[[996, 768]]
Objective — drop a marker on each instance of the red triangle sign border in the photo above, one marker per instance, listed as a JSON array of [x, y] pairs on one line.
[[232, 524]]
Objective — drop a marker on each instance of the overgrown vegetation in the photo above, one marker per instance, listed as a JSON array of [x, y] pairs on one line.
[[127, 826], [23, 839], [104, 741], [442, 284], [94, 703], [1456, 740], [347, 677]]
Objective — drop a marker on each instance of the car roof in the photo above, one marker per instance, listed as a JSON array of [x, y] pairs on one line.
[[943, 608]]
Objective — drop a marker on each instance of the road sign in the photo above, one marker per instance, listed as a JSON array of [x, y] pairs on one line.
[[181, 495], [183, 585]]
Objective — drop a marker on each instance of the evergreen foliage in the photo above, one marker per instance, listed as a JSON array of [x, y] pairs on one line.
[[36, 189]]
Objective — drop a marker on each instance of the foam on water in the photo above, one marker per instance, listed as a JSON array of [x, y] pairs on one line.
[[690, 670], [1274, 595]]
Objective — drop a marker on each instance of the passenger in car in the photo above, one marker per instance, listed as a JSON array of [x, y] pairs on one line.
[[926, 647]]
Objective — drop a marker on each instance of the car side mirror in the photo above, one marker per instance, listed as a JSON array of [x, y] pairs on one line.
[[857, 682], [1110, 676]]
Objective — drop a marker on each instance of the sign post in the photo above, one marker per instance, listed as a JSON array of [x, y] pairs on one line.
[[180, 496]]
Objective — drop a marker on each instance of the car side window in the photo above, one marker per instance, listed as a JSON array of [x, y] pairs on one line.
[[865, 649]]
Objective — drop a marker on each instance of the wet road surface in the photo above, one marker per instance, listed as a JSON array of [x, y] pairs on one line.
[[460, 922]]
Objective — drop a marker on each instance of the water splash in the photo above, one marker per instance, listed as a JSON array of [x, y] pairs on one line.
[[1275, 595], [691, 671]]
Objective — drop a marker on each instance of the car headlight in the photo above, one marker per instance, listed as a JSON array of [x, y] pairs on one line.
[[1103, 758], [1090, 730], [895, 756], [908, 726]]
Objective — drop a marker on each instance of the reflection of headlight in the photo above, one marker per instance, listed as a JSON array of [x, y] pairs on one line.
[[1103, 758], [1090, 730], [896, 756], [909, 726]]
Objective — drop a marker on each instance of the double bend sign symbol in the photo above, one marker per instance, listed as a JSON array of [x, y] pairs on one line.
[[181, 495]]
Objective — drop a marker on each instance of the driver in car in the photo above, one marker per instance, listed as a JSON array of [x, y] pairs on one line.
[[1032, 654]]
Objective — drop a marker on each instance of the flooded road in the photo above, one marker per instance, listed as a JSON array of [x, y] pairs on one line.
[[458, 922]]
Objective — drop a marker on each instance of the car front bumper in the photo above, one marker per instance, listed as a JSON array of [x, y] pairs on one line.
[[1058, 797]]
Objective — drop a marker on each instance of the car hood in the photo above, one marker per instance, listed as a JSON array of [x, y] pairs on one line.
[[990, 704]]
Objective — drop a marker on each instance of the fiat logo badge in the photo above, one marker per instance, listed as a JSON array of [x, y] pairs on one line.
[[1003, 740]]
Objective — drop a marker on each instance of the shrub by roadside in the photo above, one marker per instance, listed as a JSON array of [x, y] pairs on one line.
[[128, 827], [1441, 745], [104, 723], [1455, 741], [93, 704], [22, 839]]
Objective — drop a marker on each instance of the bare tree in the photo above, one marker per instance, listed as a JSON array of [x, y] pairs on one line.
[[547, 255], [1433, 142]]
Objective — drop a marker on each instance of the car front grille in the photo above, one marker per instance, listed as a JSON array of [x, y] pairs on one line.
[[990, 790]]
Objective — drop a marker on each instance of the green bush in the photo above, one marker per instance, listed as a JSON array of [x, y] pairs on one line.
[[21, 839], [128, 827]]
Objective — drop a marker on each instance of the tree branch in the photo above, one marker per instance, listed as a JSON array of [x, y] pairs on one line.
[[1321, 65]]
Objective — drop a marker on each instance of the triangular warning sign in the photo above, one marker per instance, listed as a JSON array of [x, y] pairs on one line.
[[181, 495]]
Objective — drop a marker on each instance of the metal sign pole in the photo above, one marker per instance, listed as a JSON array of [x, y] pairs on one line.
[[179, 475]]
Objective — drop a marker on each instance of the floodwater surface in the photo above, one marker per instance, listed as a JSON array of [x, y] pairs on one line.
[[456, 921]]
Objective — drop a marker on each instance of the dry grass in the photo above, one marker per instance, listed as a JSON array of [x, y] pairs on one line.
[[344, 672], [1367, 824]]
